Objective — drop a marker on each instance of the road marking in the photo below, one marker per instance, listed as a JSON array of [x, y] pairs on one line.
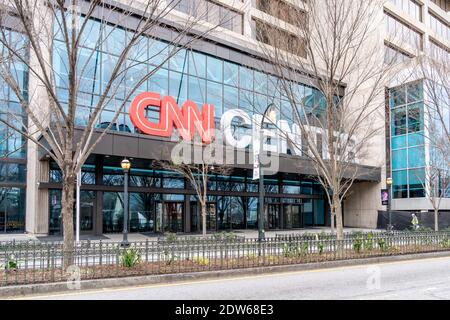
[[225, 279]]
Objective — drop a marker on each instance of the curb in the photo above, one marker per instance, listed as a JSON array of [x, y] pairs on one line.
[[42, 288]]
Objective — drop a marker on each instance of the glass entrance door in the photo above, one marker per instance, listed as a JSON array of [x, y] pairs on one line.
[[273, 216], [2, 217], [196, 217], [173, 216], [292, 216], [211, 217]]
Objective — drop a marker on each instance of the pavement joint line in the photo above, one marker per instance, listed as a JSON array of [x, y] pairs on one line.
[[225, 279]]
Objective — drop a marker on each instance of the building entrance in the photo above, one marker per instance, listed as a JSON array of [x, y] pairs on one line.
[[196, 217], [173, 216], [273, 216], [292, 216]]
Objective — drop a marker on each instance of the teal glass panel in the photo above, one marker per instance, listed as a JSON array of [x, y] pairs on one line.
[[319, 212], [416, 157], [398, 121], [399, 159], [398, 142], [400, 184], [397, 97], [416, 183], [416, 139], [415, 118], [415, 92]]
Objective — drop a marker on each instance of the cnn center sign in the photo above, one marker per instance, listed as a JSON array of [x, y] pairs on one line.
[[189, 120]]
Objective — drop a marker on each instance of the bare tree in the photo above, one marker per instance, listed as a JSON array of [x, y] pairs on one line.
[[436, 184], [335, 47], [435, 180], [433, 67], [60, 44], [196, 163]]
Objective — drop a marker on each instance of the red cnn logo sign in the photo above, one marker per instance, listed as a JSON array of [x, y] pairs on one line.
[[185, 120]]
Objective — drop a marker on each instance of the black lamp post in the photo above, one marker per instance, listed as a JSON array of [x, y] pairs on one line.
[[271, 115], [125, 164], [389, 185]]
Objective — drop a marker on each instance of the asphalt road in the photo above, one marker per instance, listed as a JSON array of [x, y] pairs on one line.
[[416, 279]]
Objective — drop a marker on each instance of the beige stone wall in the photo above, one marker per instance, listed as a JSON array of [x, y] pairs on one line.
[[361, 206]]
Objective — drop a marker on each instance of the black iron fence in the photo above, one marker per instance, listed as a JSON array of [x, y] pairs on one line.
[[34, 262]]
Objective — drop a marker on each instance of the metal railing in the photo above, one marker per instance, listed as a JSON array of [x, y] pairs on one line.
[[35, 262]]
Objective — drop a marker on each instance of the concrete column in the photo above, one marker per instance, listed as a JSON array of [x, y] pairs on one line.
[[36, 201], [248, 18], [32, 190], [42, 210]]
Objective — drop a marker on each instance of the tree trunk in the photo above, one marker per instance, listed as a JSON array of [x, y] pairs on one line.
[[204, 220], [67, 200], [338, 213], [332, 221], [436, 220]]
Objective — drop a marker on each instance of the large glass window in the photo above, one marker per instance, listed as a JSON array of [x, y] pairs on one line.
[[411, 7], [12, 143], [87, 205], [407, 140], [211, 12], [188, 74], [403, 33], [12, 209], [439, 26]]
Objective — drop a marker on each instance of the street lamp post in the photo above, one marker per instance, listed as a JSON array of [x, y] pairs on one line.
[[125, 164], [389, 184], [269, 113]]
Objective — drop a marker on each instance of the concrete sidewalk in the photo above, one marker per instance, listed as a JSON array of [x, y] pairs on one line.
[[248, 234]]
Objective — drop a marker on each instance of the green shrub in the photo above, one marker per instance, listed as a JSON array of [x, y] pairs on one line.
[[130, 258], [320, 247], [368, 243], [357, 245], [11, 263], [171, 237], [445, 243], [291, 250], [382, 244]]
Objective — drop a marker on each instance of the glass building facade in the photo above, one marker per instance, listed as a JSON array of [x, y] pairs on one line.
[[162, 201], [187, 75], [408, 140], [12, 144]]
